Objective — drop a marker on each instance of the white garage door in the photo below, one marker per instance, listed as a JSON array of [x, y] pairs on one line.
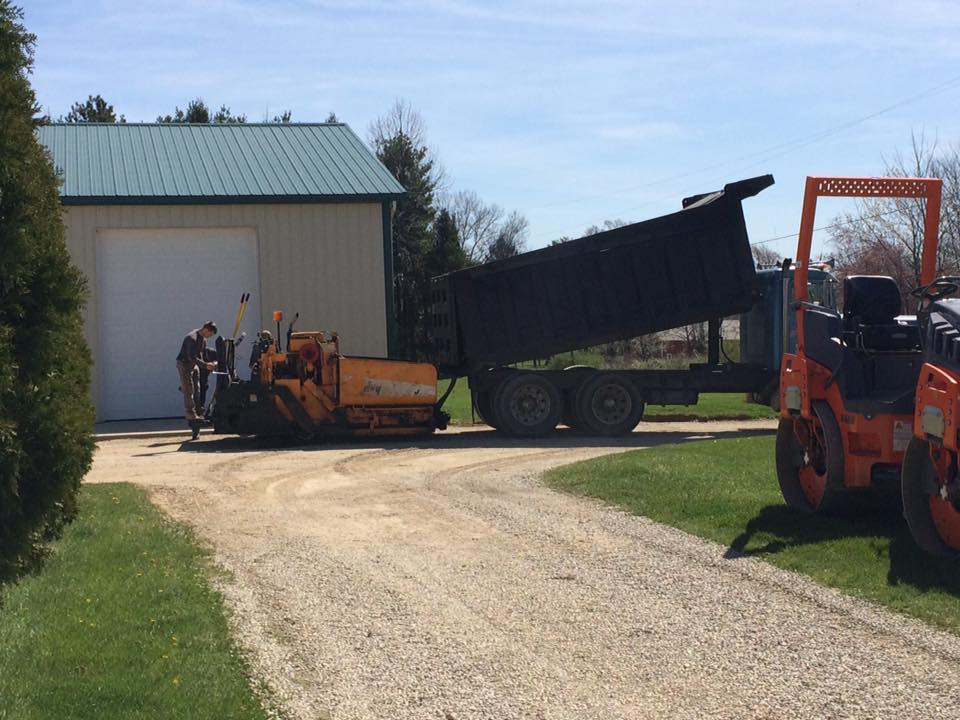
[[153, 287]]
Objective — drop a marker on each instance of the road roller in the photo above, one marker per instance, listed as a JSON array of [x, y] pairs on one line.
[[871, 396]]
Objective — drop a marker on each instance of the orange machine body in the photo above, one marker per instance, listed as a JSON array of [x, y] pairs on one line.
[[931, 473], [366, 394], [870, 442], [870, 439], [937, 413], [315, 390]]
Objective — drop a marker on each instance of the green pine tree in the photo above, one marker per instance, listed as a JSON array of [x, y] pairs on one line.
[[503, 247], [444, 254], [94, 109], [46, 419], [412, 167], [446, 251], [196, 112]]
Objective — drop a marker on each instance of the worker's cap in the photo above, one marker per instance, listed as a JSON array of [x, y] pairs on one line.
[[211, 325]]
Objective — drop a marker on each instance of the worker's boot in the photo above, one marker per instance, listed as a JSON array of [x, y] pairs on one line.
[[194, 429]]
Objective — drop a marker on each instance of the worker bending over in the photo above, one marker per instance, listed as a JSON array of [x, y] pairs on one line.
[[189, 361]]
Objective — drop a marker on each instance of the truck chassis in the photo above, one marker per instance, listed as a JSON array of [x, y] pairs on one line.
[[531, 403]]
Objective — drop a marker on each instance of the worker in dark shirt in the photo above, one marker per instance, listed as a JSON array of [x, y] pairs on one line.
[[189, 361]]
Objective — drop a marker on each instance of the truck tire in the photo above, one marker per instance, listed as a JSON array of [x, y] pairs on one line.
[[484, 406], [527, 405], [569, 417], [769, 396], [608, 404]]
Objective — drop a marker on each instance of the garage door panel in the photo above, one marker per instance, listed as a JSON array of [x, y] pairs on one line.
[[154, 286]]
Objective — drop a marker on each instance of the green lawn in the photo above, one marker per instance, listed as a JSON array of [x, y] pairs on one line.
[[120, 623], [726, 490], [458, 404], [712, 406]]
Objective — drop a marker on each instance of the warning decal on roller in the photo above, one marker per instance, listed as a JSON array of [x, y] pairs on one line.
[[902, 434]]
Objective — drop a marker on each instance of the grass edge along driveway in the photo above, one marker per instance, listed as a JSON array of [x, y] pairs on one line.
[[121, 623], [726, 491]]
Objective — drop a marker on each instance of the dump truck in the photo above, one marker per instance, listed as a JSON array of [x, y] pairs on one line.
[[687, 267], [691, 266]]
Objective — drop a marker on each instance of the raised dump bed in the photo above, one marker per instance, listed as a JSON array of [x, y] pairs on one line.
[[690, 266]]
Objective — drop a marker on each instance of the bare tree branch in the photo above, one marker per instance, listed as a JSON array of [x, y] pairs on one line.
[[403, 119], [885, 236], [607, 225], [765, 256], [483, 227]]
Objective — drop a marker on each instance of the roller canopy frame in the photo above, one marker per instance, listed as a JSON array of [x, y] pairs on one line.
[[929, 189]]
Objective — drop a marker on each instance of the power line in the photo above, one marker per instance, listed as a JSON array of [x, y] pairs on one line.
[[779, 149], [826, 227], [787, 146]]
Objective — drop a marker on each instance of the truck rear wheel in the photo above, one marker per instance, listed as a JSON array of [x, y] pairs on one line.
[[569, 417], [527, 405], [608, 404], [483, 404]]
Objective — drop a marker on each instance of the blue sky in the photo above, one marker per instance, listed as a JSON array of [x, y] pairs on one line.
[[571, 112]]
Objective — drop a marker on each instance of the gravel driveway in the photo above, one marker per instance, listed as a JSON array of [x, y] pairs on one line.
[[440, 579]]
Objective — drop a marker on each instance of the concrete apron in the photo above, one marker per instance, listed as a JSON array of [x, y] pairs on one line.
[[159, 427]]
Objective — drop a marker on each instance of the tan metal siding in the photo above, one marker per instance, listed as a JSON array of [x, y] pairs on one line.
[[324, 261]]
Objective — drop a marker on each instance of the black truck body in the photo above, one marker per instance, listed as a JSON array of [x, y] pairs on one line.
[[689, 266]]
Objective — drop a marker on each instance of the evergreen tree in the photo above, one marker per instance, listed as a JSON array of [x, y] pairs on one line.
[[95, 109], [411, 232], [444, 254], [196, 112], [46, 418], [223, 115], [502, 247], [398, 140], [446, 251]]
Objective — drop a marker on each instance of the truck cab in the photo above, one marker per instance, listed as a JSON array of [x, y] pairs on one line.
[[769, 329]]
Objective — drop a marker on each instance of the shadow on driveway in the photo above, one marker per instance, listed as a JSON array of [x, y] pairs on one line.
[[470, 439], [869, 515]]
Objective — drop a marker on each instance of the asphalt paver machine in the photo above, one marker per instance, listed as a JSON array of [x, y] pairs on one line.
[[871, 395]]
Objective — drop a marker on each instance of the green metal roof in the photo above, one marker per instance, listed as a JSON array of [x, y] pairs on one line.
[[103, 163]]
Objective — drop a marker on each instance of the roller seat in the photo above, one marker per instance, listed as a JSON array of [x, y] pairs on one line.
[[871, 304]]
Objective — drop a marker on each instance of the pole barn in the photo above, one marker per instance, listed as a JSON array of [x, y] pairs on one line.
[[172, 223]]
